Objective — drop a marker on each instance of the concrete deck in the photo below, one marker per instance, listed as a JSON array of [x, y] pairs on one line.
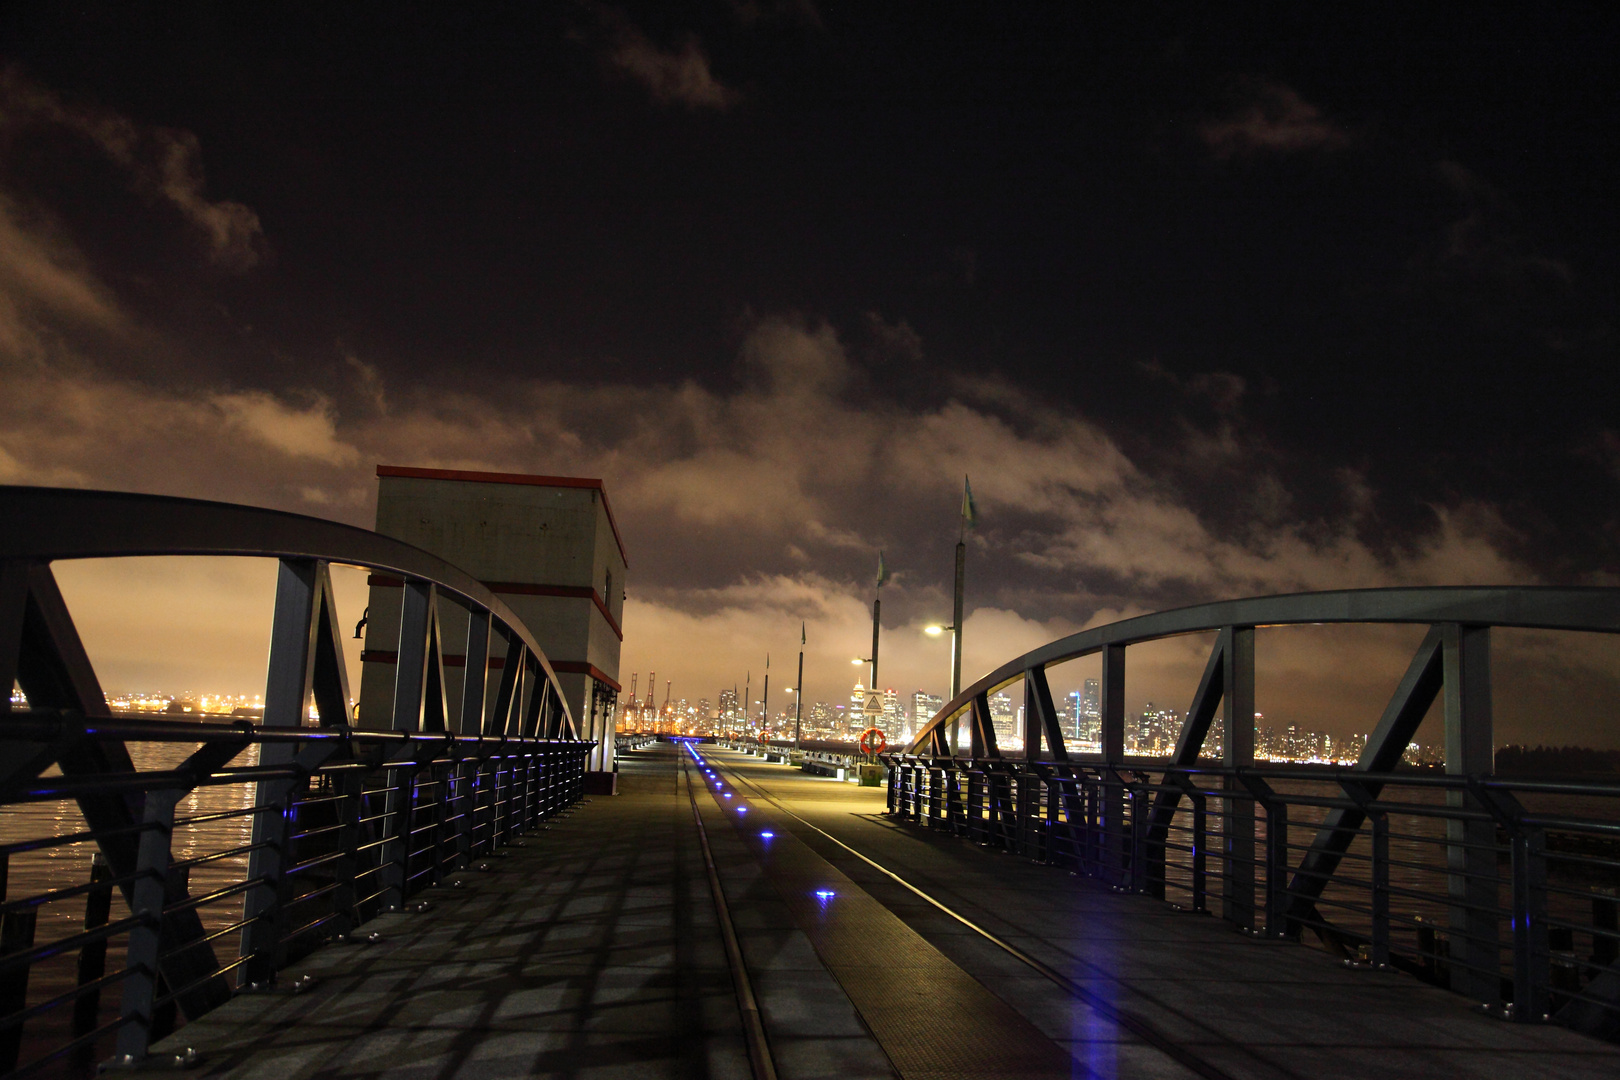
[[594, 951]]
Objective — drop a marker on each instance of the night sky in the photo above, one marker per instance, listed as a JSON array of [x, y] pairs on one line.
[[1207, 304]]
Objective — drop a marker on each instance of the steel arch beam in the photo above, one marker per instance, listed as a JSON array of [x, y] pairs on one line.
[[45, 524], [1593, 609]]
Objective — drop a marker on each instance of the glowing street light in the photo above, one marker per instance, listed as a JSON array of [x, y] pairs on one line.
[[956, 661]]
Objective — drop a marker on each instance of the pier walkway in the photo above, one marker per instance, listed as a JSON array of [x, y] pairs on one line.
[[596, 949]]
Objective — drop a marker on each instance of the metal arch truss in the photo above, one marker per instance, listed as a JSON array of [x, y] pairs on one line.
[[1188, 825], [398, 809]]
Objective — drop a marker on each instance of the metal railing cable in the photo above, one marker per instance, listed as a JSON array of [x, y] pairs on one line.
[[266, 836]]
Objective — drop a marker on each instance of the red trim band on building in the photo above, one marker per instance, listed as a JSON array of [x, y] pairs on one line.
[[518, 588], [580, 592], [411, 473], [580, 667], [563, 667]]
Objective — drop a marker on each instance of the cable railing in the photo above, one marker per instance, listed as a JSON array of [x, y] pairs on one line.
[[151, 869], [1506, 890]]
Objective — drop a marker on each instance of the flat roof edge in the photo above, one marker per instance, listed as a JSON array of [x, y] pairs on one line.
[[411, 472]]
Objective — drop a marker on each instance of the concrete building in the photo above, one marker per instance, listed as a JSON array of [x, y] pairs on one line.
[[547, 546]]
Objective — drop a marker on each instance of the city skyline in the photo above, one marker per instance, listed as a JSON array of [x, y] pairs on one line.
[[1150, 733]]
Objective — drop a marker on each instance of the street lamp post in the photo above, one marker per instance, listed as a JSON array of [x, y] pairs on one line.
[[956, 654]]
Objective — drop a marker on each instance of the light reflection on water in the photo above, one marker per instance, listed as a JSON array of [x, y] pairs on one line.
[[32, 873]]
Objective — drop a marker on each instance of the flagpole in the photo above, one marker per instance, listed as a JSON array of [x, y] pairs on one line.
[[969, 518], [798, 692], [956, 638], [877, 610], [877, 615], [765, 705]]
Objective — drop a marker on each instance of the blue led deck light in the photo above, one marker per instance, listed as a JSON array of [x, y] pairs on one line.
[[727, 795], [766, 835], [742, 809]]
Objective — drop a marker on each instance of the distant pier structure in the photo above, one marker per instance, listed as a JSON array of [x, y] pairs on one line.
[[549, 547]]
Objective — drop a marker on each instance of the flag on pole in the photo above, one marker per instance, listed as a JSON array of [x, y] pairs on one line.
[[970, 511], [801, 633], [883, 571]]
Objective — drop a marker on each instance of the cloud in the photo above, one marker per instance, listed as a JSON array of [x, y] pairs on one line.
[[307, 432], [162, 163], [1605, 449], [802, 12], [679, 76], [781, 460], [747, 509], [45, 288], [79, 427], [1274, 120], [1483, 244]]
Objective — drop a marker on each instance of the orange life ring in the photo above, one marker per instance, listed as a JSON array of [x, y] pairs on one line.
[[763, 738], [873, 741]]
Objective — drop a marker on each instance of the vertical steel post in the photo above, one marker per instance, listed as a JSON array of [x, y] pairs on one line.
[[1237, 712], [975, 805], [1115, 860], [1200, 844], [410, 687], [1048, 847], [1138, 859], [351, 788], [1276, 869], [288, 684], [474, 684], [16, 935], [1532, 961], [147, 897], [1470, 855], [470, 722], [1096, 838], [1380, 891], [93, 955]]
